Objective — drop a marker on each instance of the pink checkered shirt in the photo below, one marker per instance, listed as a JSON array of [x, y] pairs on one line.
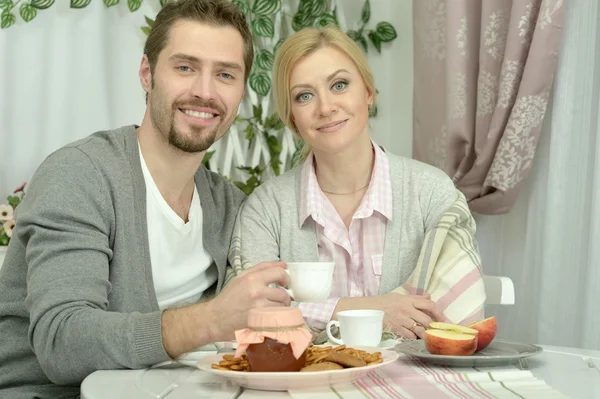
[[357, 251]]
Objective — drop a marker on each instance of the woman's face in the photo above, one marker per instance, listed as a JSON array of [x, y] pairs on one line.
[[329, 101]]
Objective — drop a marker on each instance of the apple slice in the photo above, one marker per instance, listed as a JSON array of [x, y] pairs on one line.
[[450, 339], [487, 331]]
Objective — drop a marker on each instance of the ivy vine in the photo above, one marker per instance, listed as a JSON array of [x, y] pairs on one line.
[[261, 15]]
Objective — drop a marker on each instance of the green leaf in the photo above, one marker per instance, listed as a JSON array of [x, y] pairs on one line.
[[257, 111], [7, 19], [373, 113], [305, 7], [249, 132], [274, 144], [318, 7], [366, 12], [13, 200], [275, 147], [27, 12], [278, 44], [297, 157], [386, 31], [261, 83], [276, 165], [149, 21], [363, 42], [242, 186], [280, 125], [41, 4], [163, 2], [326, 20], [354, 35], [80, 3], [146, 30], [301, 21], [243, 5], [3, 238], [264, 60], [254, 180], [263, 26], [207, 156], [376, 40], [134, 5], [6, 4], [110, 3], [266, 7], [273, 122]]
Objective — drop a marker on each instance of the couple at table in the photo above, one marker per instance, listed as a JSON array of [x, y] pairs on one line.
[[121, 255]]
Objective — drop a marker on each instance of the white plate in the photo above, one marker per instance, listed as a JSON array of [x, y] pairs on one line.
[[497, 353], [284, 381], [385, 344]]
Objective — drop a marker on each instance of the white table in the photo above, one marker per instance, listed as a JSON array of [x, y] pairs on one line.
[[574, 372]]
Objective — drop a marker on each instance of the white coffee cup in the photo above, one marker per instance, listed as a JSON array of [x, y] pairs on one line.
[[310, 281], [357, 327]]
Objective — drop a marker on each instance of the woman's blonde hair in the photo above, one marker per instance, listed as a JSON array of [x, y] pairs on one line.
[[302, 44]]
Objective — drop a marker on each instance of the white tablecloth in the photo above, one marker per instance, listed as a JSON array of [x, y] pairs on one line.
[[573, 372]]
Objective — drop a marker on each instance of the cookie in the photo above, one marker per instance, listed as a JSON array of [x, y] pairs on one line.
[[323, 366], [345, 360]]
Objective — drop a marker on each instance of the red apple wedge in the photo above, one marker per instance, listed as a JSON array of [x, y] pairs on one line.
[[450, 339], [487, 331]]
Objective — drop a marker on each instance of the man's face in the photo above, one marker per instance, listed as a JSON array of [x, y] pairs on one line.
[[197, 85]]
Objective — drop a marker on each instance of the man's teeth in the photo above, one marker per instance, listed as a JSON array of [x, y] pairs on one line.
[[204, 115]]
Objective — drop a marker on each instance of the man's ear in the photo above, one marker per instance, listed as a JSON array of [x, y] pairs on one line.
[[145, 74]]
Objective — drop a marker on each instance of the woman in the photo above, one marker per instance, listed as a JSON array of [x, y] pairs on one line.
[[352, 203]]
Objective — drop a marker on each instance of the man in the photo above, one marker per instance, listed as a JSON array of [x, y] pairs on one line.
[[123, 236]]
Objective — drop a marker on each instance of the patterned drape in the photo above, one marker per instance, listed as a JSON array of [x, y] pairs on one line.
[[483, 74]]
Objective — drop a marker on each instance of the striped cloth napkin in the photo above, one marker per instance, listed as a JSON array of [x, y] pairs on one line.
[[413, 379]]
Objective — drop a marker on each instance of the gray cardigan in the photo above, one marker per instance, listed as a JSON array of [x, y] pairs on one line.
[[76, 288], [270, 230]]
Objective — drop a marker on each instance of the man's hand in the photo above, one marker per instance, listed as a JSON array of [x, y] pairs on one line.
[[250, 289], [401, 311], [184, 329]]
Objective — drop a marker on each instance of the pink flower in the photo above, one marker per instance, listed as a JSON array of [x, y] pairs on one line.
[[8, 227], [6, 213], [20, 188]]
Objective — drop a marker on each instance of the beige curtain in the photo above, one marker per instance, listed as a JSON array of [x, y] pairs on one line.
[[482, 79]]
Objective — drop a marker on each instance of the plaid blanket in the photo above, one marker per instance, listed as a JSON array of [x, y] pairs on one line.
[[449, 266]]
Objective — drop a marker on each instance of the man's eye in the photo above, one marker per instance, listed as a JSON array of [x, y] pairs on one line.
[[226, 75], [184, 68]]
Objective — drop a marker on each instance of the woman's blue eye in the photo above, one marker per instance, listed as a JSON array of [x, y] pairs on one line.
[[339, 86], [303, 97]]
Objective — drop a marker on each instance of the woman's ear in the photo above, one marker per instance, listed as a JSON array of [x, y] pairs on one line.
[[370, 96]]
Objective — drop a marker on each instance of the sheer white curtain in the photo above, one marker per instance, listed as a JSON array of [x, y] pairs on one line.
[[69, 73], [549, 244], [63, 76]]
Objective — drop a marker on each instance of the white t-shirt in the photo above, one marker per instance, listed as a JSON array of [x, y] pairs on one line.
[[181, 266]]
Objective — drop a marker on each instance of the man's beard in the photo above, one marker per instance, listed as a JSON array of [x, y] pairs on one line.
[[200, 138], [197, 143]]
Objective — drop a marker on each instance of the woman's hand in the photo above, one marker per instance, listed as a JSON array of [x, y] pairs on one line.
[[404, 313]]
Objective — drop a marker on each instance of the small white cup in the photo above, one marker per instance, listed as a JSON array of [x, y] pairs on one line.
[[357, 327], [310, 281]]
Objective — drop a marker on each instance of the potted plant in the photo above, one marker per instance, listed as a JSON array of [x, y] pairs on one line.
[[7, 219]]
